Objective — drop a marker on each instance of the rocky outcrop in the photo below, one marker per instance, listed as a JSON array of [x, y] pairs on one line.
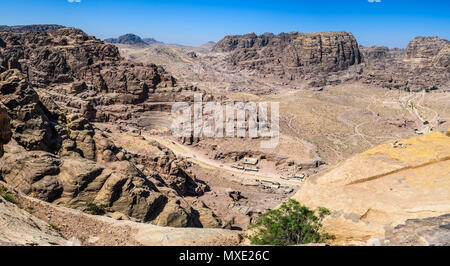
[[442, 59], [69, 55], [425, 64], [53, 85], [33, 126], [372, 193], [291, 55], [76, 182], [5, 129], [370, 53], [25, 28], [330, 58], [425, 47], [433, 231], [82, 75]]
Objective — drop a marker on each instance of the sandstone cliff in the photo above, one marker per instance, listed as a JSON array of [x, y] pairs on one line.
[[291, 55], [425, 64], [425, 47], [371, 193]]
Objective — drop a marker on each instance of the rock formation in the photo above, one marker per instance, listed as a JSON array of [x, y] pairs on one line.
[[291, 55], [5, 129], [25, 28], [132, 39], [425, 64], [331, 58], [432, 231], [425, 47], [54, 85], [371, 193]]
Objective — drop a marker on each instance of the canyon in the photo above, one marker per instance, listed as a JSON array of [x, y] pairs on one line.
[[85, 137]]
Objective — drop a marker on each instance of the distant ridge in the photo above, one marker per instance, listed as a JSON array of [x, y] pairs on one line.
[[151, 41], [132, 39], [25, 28]]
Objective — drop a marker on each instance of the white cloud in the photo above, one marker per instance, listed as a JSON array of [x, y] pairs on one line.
[[370, 1], [79, 1]]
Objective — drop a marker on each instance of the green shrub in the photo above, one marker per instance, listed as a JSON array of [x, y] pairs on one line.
[[95, 209], [426, 123], [290, 224], [9, 197]]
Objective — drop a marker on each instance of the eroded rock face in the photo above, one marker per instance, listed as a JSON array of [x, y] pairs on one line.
[[53, 84], [292, 55], [82, 72], [425, 47], [5, 129], [32, 127], [425, 64]]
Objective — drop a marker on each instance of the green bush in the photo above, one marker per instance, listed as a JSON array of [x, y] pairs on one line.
[[290, 224], [95, 209], [9, 197]]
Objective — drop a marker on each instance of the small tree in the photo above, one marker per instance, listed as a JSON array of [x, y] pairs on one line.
[[290, 224], [95, 209]]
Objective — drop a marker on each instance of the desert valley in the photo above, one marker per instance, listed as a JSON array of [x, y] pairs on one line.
[[88, 157]]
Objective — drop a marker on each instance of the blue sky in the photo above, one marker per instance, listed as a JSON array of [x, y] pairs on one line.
[[389, 22]]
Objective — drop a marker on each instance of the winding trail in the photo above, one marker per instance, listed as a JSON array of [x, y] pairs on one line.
[[204, 162]]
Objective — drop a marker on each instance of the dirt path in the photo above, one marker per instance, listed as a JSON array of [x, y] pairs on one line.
[[207, 163], [414, 109]]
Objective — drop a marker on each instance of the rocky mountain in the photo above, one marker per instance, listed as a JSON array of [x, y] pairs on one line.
[[126, 39], [132, 39], [425, 64], [291, 55], [330, 58], [54, 86], [372, 194], [425, 47], [25, 28]]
